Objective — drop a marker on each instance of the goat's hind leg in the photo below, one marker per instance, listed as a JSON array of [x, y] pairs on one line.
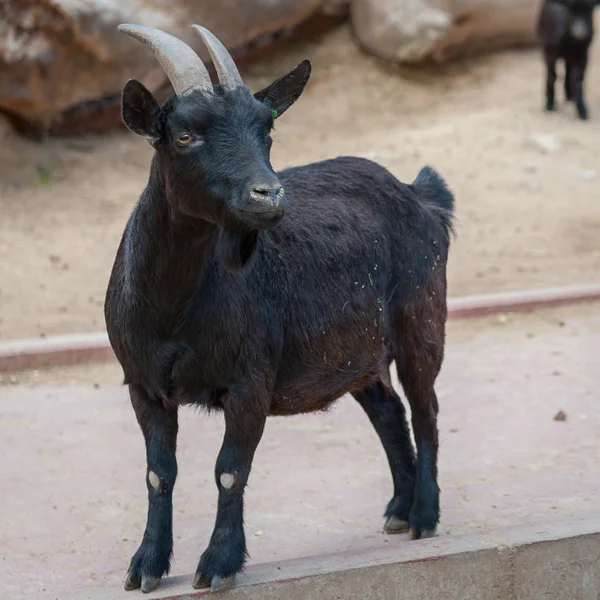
[[388, 416], [159, 426], [422, 348]]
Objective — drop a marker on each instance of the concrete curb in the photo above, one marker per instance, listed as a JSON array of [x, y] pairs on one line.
[[487, 304], [559, 561], [19, 355], [60, 350]]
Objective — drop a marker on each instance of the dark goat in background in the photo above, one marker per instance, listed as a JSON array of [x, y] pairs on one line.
[[218, 300], [565, 30]]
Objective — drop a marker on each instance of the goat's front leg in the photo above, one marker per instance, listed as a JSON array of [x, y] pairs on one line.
[[226, 553], [159, 427]]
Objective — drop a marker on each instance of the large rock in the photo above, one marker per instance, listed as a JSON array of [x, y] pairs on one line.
[[399, 30], [413, 31], [57, 56], [487, 26]]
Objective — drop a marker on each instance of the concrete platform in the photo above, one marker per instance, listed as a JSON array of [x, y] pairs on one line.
[[559, 563], [73, 495]]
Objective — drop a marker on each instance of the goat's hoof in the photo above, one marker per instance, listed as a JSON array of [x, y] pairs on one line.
[[582, 111], [132, 582], [419, 534], [217, 583], [200, 582], [395, 525], [549, 106], [221, 583], [149, 583], [148, 565]]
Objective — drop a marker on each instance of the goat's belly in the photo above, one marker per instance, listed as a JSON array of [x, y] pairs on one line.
[[318, 388]]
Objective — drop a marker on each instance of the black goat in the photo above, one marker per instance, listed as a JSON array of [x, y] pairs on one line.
[[565, 30], [218, 300]]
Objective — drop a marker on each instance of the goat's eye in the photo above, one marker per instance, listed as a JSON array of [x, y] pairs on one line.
[[184, 139]]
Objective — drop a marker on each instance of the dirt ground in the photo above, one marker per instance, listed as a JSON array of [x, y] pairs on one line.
[[319, 482], [527, 183]]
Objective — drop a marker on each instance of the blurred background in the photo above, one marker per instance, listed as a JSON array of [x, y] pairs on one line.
[[402, 82]]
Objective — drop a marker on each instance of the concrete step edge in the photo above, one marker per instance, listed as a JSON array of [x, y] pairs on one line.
[[557, 560]]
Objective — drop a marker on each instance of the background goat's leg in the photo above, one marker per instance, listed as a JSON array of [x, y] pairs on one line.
[[388, 416], [159, 427], [550, 57], [579, 69], [226, 552], [569, 82]]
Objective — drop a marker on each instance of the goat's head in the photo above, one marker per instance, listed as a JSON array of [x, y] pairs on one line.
[[213, 142]]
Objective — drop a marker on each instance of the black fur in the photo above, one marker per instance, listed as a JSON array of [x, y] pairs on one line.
[[565, 31], [215, 301]]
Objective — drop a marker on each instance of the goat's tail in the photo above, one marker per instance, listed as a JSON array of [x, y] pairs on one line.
[[435, 192]]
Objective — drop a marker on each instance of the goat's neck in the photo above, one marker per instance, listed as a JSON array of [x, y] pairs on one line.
[[170, 256]]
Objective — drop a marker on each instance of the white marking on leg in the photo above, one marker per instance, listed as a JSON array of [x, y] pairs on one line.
[[154, 480], [227, 480]]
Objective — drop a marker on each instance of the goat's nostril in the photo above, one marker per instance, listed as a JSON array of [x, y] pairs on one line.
[[266, 188], [261, 190], [267, 192]]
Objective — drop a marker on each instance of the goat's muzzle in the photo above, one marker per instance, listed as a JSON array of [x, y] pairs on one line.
[[264, 205], [267, 195]]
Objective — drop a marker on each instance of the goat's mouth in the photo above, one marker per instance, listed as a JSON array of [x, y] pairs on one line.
[[260, 219], [266, 211]]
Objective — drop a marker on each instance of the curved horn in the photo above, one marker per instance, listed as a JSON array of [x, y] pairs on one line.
[[183, 66], [229, 76]]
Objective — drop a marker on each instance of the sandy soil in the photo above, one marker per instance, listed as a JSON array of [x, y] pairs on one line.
[[527, 183]]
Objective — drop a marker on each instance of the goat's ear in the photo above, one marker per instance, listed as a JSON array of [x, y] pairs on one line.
[[281, 94], [140, 111]]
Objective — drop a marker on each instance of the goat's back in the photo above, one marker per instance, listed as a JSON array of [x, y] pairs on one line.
[[350, 219]]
